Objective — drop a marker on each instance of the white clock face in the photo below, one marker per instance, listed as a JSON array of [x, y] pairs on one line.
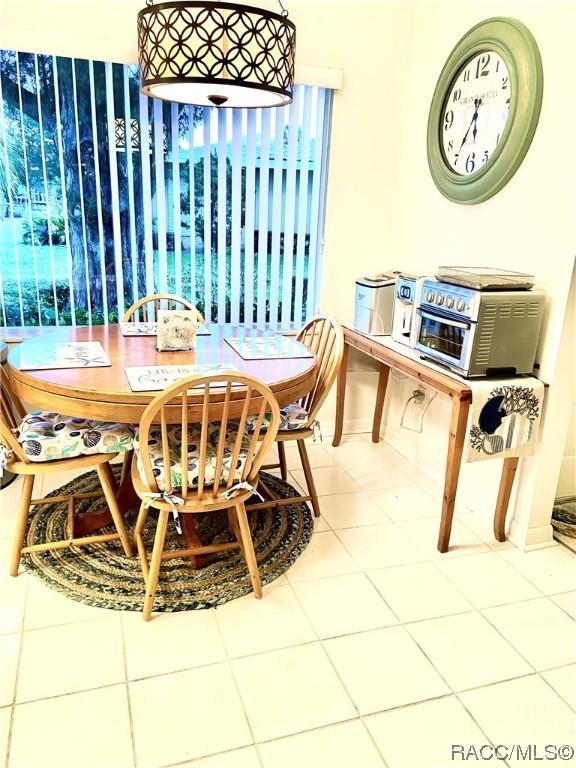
[[475, 113]]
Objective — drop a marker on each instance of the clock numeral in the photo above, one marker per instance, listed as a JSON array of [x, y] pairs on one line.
[[497, 139], [504, 83], [466, 76], [482, 66], [456, 156], [448, 119], [485, 158], [497, 65], [450, 145], [470, 162], [456, 95]]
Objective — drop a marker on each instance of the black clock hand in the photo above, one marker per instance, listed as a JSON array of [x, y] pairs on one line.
[[477, 103]]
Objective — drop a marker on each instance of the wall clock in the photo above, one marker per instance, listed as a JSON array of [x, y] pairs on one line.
[[484, 110]]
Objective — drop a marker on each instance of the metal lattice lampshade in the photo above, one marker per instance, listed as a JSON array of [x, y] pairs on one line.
[[216, 54]]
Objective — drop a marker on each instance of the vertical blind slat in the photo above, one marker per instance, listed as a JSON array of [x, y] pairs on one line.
[[249, 228], [315, 243], [321, 203], [277, 195], [208, 308], [130, 181], [64, 193], [221, 213], [115, 198], [99, 218], [161, 209], [192, 204], [174, 112], [289, 210], [236, 192], [264, 167], [301, 228], [46, 194], [146, 193]]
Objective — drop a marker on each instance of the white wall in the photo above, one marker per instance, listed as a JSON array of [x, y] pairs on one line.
[[383, 209]]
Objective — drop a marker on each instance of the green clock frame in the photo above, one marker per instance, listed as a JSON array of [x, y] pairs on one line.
[[513, 41]]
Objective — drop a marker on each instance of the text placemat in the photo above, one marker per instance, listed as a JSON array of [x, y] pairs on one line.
[[156, 377], [74, 354], [273, 346]]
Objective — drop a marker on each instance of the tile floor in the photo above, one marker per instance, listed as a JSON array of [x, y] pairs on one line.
[[373, 650]]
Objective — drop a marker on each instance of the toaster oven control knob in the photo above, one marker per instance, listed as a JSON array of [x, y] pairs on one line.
[[449, 302], [429, 296], [439, 298], [460, 305]]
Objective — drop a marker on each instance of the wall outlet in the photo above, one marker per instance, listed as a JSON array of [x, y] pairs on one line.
[[415, 408]]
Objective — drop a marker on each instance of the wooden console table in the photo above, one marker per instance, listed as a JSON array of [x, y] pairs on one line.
[[460, 394]]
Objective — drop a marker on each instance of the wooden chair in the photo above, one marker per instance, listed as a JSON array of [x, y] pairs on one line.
[[324, 336], [12, 413], [224, 474], [160, 301]]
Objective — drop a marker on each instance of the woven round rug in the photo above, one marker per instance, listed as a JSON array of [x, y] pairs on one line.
[[101, 575]]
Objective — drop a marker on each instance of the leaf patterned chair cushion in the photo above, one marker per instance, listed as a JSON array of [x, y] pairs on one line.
[[47, 436], [175, 447], [292, 416]]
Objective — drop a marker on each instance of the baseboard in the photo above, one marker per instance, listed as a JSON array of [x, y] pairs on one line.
[[533, 538]]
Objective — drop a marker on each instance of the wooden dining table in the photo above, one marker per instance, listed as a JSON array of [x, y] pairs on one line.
[[104, 393]]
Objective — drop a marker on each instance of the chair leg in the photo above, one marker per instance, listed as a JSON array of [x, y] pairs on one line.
[[140, 523], [308, 475], [126, 465], [248, 549], [155, 562], [282, 459], [109, 488], [23, 511]]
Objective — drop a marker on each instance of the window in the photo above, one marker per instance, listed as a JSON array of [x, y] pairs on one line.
[[106, 196]]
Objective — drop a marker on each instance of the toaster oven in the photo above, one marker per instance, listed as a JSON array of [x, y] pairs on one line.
[[478, 333]]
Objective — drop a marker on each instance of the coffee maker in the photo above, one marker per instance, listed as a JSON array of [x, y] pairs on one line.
[[407, 291]]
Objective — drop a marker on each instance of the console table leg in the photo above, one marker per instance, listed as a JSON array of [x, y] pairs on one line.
[[380, 395], [340, 394], [458, 422], [506, 481]]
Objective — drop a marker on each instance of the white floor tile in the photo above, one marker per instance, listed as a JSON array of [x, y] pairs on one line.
[[467, 651], [5, 717], [483, 527], [291, 690], [170, 642], [184, 715], [539, 630], [551, 570], [487, 579], [522, 712], [379, 546], [384, 669], [349, 510], [13, 592], [5, 555], [423, 734], [90, 729], [338, 746], [563, 680], [424, 533], [253, 626], [377, 475], [407, 503], [418, 591], [325, 556], [343, 604], [9, 650], [9, 501], [349, 454], [70, 658], [317, 456], [237, 758], [46, 607], [567, 602], [327, 480]]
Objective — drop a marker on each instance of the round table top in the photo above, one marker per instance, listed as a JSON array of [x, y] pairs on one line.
[[104, 392]]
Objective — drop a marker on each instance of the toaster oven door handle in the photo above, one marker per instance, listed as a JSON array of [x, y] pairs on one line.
[[443, 318]]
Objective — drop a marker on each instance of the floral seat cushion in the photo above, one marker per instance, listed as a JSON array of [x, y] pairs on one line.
[[292, 416], [154, 449], [47, 436]]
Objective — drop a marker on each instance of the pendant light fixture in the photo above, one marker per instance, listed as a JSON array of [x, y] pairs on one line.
[[216, 54]]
